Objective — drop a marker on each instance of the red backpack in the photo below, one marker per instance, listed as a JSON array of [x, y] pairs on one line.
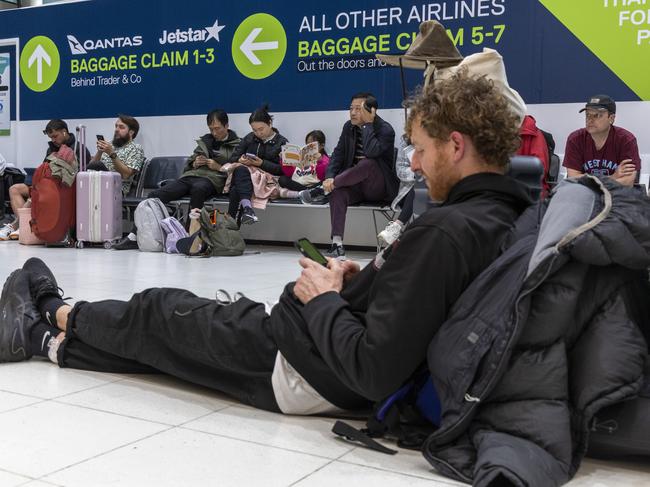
[[53, 206]]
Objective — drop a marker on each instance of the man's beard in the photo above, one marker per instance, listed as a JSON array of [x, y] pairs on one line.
[[120, 141]]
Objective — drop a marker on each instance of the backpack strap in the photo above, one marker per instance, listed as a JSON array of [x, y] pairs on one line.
[[350, 433]]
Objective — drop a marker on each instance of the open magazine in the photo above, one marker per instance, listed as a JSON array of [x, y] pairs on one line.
[[301, 157]]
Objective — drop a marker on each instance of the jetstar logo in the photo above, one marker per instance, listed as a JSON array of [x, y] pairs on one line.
[[192, 34], [77, 47]]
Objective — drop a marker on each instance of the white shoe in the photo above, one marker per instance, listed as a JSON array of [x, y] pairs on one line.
[[391, 233], [6, 231], [15, 235]]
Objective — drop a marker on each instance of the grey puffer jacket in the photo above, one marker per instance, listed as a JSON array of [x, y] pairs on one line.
[[549, 334]]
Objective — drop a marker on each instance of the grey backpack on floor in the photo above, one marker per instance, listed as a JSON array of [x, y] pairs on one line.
[[147, 217]]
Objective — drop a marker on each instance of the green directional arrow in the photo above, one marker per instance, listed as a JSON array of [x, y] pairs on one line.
[[39, 63], [622, 48]]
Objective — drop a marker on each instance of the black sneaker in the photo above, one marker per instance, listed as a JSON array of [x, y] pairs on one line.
[[248, 216], [312, 196], [41, 280], [18, 315], [336, 251], [126, 244]]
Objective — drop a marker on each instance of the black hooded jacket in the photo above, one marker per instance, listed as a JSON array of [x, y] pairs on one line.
[[361, 344], [543, 339]]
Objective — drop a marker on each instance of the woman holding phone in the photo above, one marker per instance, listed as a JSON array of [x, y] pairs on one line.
[[258, 161]]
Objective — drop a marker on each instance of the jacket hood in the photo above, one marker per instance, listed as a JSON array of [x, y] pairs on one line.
[[598, 222]]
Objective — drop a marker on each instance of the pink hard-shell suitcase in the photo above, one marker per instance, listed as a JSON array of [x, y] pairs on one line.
[[99, 207]]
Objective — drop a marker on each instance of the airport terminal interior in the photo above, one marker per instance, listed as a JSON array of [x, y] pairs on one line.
[[112, 77]]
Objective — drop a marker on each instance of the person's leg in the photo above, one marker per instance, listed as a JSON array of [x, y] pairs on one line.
[[406, 212], [96, 166], [227, 348], [364, 169], [201, 190], [339, 200], [173, 190], [241, 180], [18, 196]]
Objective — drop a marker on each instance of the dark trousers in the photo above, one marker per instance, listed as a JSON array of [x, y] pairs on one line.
[[241, 188], [363, 182], [227, 348], [96, 166], [406, 212], [200, 190]]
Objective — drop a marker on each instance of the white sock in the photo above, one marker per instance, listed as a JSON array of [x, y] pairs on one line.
[[132, 236], [337, 240]]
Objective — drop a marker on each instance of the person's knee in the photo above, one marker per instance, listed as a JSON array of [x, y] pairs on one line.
[[19, 190]]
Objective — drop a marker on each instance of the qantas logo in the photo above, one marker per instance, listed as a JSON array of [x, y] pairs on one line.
[[77, 47]]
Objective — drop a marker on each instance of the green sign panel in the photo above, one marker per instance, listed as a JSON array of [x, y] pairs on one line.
[[616, 31], [259, 46]]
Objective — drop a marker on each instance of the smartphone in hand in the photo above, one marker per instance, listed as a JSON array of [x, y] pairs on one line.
[[306, 248], [99, 137]]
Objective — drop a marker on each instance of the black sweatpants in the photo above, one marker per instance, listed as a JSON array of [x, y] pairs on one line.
[[241, 188], [227, 348], [200, 190]]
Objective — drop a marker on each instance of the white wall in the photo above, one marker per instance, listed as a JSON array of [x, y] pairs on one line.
[[176, 135]]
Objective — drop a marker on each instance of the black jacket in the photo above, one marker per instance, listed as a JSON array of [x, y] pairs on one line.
[[378, 144], [268, 151], [362, 344], [549, 334]]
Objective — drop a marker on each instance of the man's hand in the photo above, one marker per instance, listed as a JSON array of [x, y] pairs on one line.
[[105, 147], [328, 185], [316, 279], [625, 173], [213, 165], [200, 160], [368, 116], [350, 269]]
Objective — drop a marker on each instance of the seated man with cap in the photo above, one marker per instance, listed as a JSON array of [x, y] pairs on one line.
[[601, 148]]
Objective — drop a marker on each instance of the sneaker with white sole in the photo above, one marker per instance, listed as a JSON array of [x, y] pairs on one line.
[[15, 235], [389, 234], [248, 216], [6, 230], [336, 251]]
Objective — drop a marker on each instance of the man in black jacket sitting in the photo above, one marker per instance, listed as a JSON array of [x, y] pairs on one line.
[[339, 337], [361, 167]]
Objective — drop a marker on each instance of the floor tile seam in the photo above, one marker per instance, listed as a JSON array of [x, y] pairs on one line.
[[259, 443], [31, 396], [181, 425], [103, 453], [442, 480], [11, 472], [304, 477], [40, 401], [90, 388], [113, 413]]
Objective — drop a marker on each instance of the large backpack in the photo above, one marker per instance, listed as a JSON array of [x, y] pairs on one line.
[[148, 215], [220, 234], [409, 415], [53, 206], [173, 232]]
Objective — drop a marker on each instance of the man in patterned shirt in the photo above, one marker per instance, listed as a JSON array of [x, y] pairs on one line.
[[121, 155]]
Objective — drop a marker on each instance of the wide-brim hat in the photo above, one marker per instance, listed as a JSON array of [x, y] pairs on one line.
[[432, 45]]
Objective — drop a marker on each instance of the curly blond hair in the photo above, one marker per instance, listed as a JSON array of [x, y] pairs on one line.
[[472, 106]]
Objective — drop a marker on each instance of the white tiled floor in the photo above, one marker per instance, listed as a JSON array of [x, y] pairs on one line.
[[73, 428]]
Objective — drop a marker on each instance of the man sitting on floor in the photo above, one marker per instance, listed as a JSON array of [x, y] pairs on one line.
[[339, 337]]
